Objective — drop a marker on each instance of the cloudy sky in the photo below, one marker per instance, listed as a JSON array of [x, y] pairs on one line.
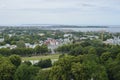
[[75, 12]]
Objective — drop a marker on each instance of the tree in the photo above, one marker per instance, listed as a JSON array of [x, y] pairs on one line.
[[83, 67], [105, 56], [62, 69], [44, 49], [118, 57], [43, 75], [92, 51], [114, 51], [86, 67], [44, 63], [22, 51], [15, 60], [20, 44], [76, 51], [41, 49], [100, 50], [78, 72], [7, 69], [26, 72], [38, 49], [28, 63], [114, 70], [5, 51]]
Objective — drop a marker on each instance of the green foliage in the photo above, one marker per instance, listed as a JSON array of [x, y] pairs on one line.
[[23, 51], [92, 51], [41, 49], [114, 70], [83, 67], [72, 49], [87, 65], [61, 69], [88, 71], [43, 75], [17, 51], [76, 51], [15, 60], [44, 63], [114, 51], [7, 69], [20, 44], [5, 51], [28, 63], [118, 56], [62, 55], [85, 47], [26, 72], [105, 56]]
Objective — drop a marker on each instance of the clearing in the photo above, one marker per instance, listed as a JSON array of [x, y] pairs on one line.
[[51, 56]]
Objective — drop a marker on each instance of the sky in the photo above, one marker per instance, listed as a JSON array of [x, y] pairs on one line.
[[70, 12]]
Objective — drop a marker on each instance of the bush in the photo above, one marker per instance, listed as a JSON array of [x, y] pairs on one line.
[[28, 63], [44, 63]]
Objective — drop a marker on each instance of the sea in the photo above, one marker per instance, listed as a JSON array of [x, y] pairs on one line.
[[108, 29]]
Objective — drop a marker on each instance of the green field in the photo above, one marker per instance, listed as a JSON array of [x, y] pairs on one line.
[[52, 57]]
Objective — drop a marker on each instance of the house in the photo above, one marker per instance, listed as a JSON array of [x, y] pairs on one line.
[[28, 45], [9, 46], [108, 41], [1, 39], [51, 41], [67, 35], [66, 40], [10, 35], [13, 46], [83, 38], [41, 34], [114, 41]]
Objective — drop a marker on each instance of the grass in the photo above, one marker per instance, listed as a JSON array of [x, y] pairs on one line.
[[51, 56]]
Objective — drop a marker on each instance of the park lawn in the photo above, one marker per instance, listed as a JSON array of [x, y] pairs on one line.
[[51, 56]]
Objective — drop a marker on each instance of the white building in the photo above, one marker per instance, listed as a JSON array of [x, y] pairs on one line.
[[9, 46], [83, 38], [114, 41], [13, 46], [67, 35], [1, 39], [28, 45], [41, 34]]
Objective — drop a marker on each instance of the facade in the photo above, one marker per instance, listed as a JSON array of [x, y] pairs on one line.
[[9, 46], [1, 39], [114, 41]]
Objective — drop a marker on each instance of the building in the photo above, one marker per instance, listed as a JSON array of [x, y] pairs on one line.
[[114, 41], [67, 35], [9, 46], [1, 39]]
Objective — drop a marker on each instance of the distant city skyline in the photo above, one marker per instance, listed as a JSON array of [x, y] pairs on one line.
[[67, 12]]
